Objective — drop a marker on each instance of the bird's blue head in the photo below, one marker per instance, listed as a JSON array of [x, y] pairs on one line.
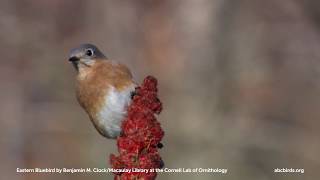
[[85, 55]]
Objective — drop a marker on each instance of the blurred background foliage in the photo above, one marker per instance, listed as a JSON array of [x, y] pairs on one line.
[[239, 81]]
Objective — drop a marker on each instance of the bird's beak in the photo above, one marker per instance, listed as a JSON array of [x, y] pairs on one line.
[[74, 59]]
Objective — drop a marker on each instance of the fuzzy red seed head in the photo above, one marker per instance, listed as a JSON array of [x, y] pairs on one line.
[[141, 133]]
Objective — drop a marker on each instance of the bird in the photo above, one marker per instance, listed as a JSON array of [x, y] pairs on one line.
[[104, 88]]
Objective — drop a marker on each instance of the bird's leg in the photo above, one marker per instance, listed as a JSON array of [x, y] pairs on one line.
[[133, 93]]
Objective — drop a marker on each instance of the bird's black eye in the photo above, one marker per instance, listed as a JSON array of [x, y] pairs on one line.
[[89, 52]]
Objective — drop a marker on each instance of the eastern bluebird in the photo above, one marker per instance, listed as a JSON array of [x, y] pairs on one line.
[[104, 88]]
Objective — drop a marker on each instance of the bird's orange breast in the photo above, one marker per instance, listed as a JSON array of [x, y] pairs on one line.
[[95, 82]]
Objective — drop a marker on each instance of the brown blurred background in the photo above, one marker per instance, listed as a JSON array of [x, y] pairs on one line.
[[240, 83]]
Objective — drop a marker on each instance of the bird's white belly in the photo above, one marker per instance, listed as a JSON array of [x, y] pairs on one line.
[[114, 111]]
